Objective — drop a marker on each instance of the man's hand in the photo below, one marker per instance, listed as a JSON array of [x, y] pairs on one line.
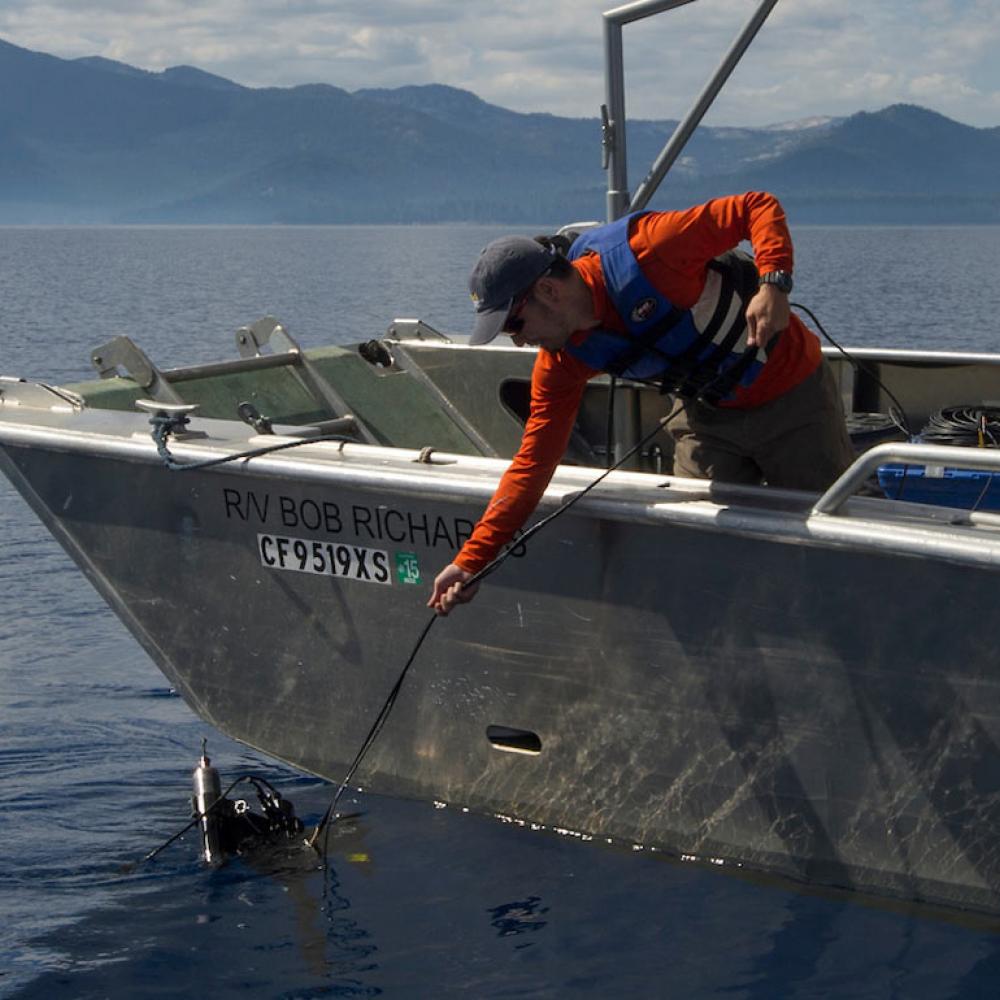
[[450, 589], [767, 314]]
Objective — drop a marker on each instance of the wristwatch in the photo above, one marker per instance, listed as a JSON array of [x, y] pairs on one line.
[[782, 280]]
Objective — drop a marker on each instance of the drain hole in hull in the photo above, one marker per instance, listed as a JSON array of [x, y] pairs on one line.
[[513, 740]]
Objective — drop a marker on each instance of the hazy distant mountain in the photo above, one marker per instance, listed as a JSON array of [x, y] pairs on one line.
[[94, 140]]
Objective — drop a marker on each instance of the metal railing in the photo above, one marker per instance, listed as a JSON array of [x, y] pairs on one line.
[[613, 111], [942, 456]]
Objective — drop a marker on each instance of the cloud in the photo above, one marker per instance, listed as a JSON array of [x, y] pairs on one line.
[[935, 87], [811, 57]]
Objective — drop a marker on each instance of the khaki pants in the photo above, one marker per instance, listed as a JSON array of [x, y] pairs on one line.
[[797, 441]]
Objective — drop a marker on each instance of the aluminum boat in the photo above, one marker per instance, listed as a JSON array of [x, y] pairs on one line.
[[795, 683]]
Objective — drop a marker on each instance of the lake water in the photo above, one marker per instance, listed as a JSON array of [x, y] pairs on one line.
[[421, 901]]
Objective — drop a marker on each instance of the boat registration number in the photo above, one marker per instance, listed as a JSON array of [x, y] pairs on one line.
[[306, 555]]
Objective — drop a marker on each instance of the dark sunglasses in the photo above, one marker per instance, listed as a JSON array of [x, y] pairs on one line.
[[514, 323]]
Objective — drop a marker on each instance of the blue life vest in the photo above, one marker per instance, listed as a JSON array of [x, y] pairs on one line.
[[692, 352]]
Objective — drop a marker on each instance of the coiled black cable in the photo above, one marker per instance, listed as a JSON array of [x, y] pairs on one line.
[[974, 426], [968, 426]]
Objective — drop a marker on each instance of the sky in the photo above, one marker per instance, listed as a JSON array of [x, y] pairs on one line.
[[812, 58]]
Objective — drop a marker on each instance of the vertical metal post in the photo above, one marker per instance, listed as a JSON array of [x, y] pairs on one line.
[[613, 120], [613, 111], [628, 425]]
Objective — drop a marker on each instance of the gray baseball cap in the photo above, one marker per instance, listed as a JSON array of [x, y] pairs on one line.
[[505, 270]]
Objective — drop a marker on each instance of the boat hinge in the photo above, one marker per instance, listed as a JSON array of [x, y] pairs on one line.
[[122, 353], [415, 329], [607, 137]]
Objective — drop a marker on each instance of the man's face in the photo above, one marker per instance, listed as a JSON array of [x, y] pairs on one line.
[[538, 321]]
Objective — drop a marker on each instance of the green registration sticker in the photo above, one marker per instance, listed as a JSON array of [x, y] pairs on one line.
[[407, 567]]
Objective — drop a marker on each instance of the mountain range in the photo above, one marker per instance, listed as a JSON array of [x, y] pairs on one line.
[[96, 141]]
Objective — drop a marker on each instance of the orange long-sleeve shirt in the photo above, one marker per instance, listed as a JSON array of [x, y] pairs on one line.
[[673, 249]]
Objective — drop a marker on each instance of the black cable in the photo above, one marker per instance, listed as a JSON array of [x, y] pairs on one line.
[[902, 423], [376, 728], [323, 827], [487, 570], [491, 567], [982, 493], [964, 425], [495, 564], [164, 425]]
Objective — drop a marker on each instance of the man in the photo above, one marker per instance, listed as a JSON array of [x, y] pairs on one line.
[[660, 296]]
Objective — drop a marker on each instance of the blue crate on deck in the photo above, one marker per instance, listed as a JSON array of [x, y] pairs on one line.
[[945, 488]]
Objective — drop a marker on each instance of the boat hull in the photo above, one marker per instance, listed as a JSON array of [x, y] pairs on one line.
[[792, 704]]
